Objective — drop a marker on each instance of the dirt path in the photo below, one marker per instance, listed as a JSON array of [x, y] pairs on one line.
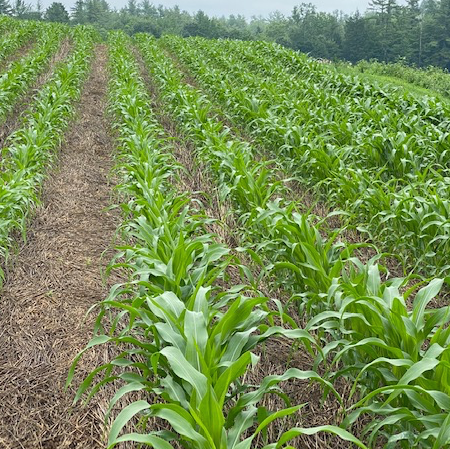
[[57, 277]]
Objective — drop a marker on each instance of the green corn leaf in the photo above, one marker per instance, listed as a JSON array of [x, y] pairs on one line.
[[99, 340], [124, 417], [443, 438], [231, 374], [181, 421], [244, 420], [296, 431], [279, 414], [423, 297], [183, 369], [133, 386], [148, 440], [196, 335]]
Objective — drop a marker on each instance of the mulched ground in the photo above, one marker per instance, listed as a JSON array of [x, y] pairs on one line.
[[56, 277]]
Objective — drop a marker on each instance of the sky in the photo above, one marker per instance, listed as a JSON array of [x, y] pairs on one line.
[[250, 8], [247, 8]]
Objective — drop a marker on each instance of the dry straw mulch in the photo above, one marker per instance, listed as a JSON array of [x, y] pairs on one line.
[[56, 277]]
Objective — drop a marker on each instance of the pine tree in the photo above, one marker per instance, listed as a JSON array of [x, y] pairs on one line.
[[39, 9], [148, 9], [20, 8], [132, 8], [385, 14], [355, 38], [56, 12], [78, 12], [5, 8], [93, 11], [411, 24], [438, 31]]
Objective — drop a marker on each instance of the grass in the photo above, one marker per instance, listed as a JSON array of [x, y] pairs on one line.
[[390, 81]]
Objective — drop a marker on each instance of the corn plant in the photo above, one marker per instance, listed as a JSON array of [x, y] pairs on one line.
[[21, 74], [30, 150], [324, 275], [183, 338], [357, 143], [249, 183], [8, 24], [14, 40]]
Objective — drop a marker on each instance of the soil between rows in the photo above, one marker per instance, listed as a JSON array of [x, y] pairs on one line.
[[56, 277]]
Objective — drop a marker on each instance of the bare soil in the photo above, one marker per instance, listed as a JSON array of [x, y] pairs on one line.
[[56, 278]]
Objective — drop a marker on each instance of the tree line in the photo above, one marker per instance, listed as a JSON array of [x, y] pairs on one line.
[[416, 32]]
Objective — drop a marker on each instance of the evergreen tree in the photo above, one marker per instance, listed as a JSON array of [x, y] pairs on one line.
[[202, 25], [411, 26], [277, 29], [78, 12], [93, 11], [56, 12], [356, 38], [317, 33], [20, 9], [5, 8], [132, 8], [437, 49], [429, 6], [385, 18], [38, 11], [148, 9], [173, 20]]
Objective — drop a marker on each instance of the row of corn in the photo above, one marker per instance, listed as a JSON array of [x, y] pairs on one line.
[[185, 335], [380, 156], [31, 149], [185, 340]]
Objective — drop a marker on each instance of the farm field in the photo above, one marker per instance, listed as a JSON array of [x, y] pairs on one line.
[[217, 244]]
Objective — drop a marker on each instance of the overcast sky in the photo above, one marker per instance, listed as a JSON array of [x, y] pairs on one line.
[[247, 8], [260, 7]]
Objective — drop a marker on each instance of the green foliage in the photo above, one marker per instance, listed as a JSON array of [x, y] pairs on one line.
[[30, 150], [14, 40], [56, 12], [23, 72], [20, 9], [366, 332], [194, 338], [376, 154], [433, 78], [5, 8]]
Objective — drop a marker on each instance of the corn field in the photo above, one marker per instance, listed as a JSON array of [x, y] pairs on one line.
[[271, 210]]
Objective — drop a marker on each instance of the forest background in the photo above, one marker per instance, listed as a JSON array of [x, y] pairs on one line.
[[415, 33]]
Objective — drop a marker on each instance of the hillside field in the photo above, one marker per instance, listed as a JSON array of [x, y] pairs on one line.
[[217, 244]]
